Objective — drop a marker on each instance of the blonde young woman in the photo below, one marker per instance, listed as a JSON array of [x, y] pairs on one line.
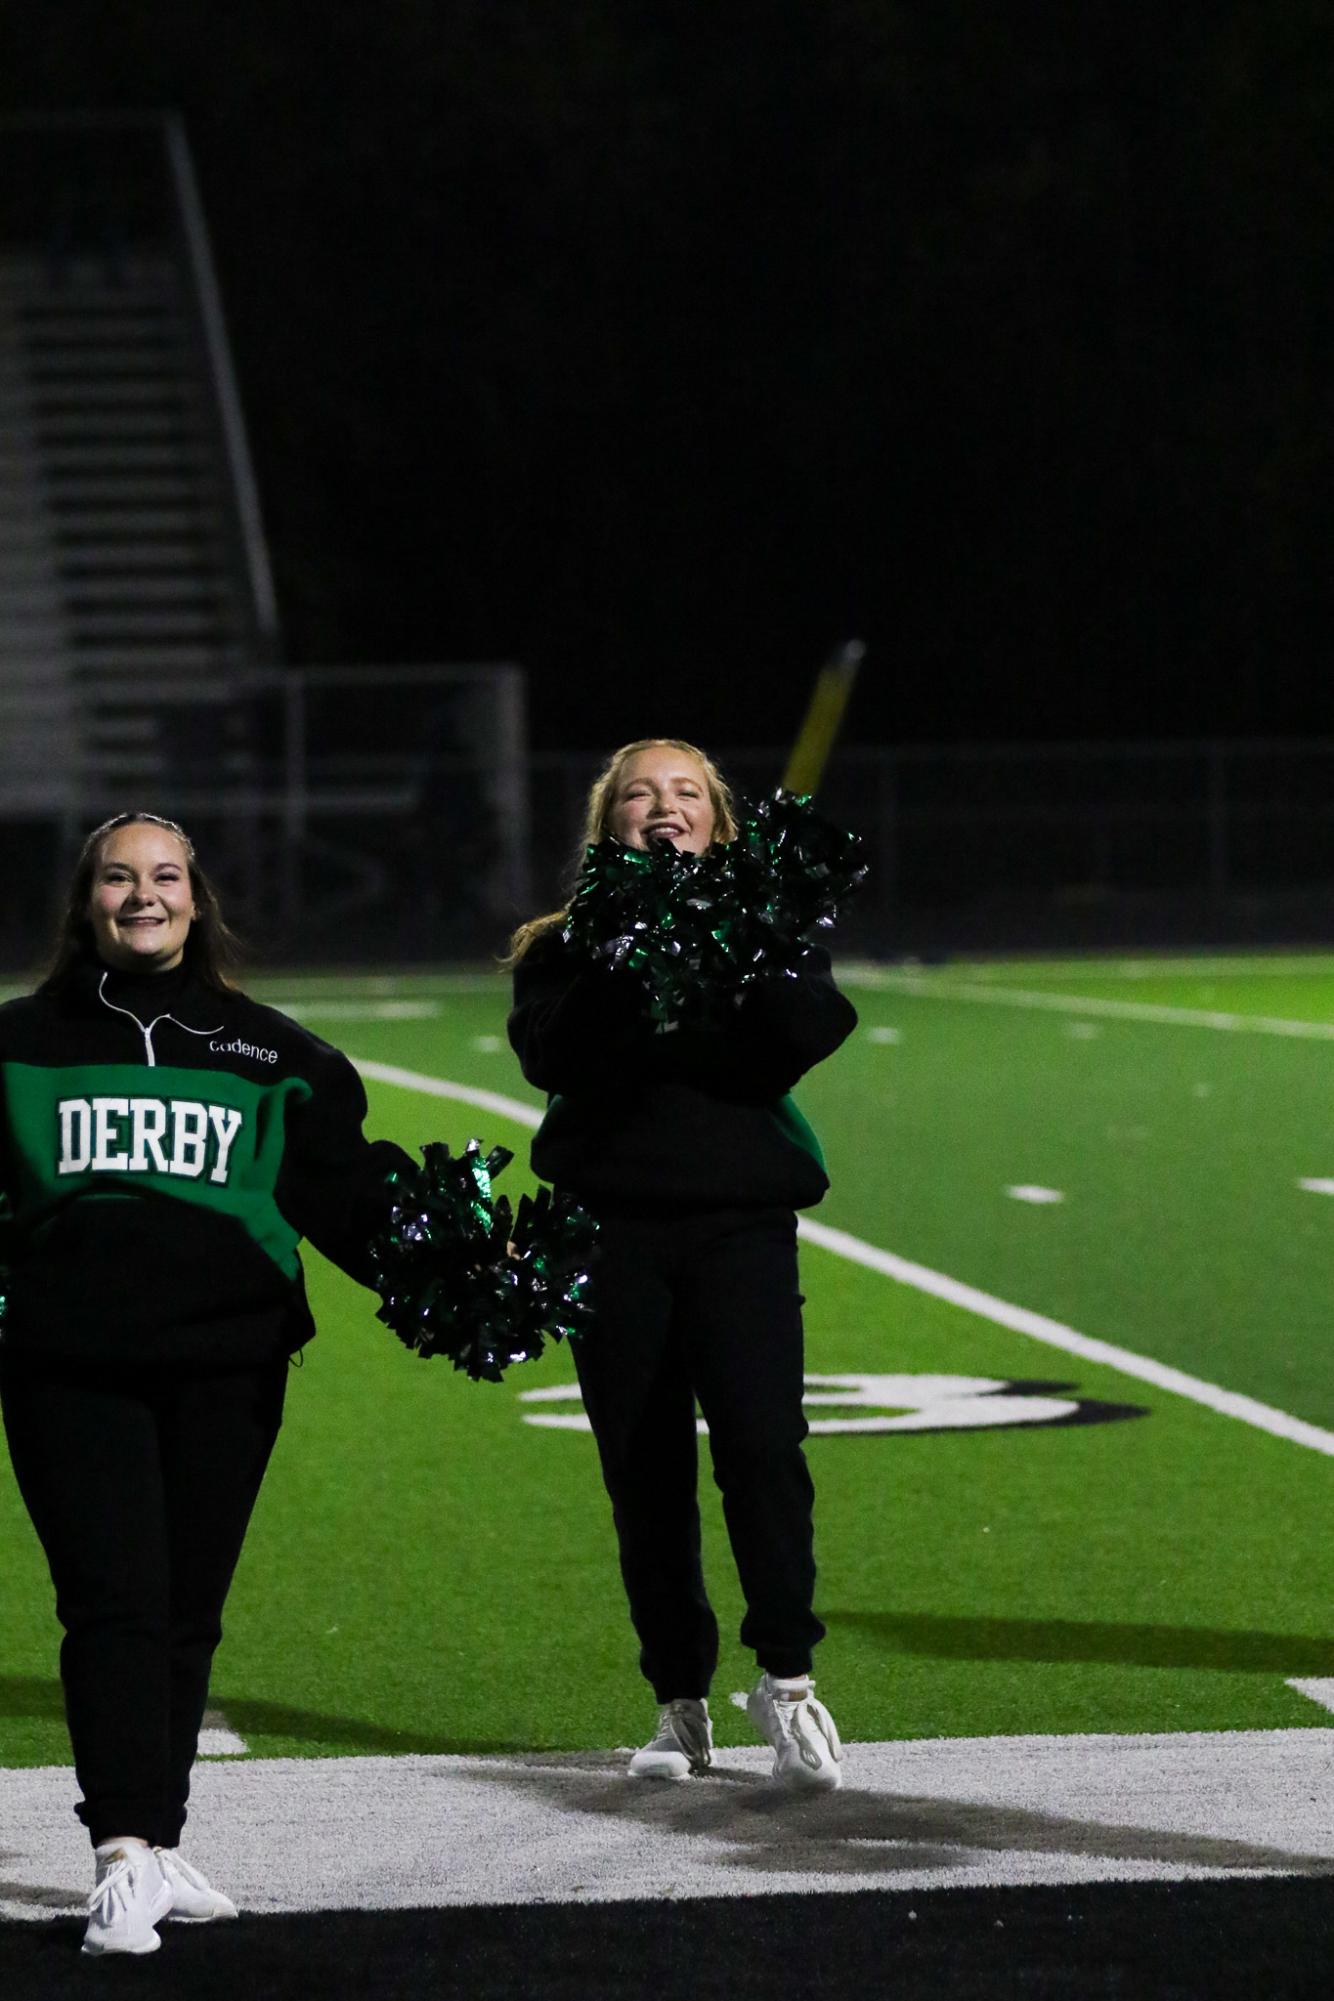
[[685, 1145]]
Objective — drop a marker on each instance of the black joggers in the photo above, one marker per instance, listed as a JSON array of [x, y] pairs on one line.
[[140, 1485], [703, 1305]]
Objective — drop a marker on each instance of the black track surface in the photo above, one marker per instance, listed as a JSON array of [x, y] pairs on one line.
[[1268, 1941]]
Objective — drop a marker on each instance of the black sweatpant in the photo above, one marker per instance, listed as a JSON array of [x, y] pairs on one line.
[[140, 1485], [703, 1305]]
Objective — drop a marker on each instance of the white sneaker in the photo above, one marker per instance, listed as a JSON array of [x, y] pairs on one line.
[[807, 1751], [193, 1897], [130, 1897], [683, 1744]]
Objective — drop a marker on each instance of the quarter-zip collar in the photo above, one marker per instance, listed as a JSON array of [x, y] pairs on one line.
[[151, 999]]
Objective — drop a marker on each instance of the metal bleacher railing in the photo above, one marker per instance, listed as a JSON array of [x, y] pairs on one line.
[[132, 555]]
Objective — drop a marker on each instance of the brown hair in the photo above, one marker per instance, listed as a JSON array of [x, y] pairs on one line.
[[597, 820], [211, 949]]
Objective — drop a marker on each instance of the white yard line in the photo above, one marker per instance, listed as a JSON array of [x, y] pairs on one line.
[[444, 1087], [1310, 965], [929, 1814], [367, 1010], [474, 980], [929, 987], [1227, 1403]]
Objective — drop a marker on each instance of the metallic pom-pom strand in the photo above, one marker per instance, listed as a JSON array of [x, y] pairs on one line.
[[553, 1244], [459, 1275]]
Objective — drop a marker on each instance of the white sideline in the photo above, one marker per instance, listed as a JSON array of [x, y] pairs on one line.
[[433, 1831], [1227, 1403]]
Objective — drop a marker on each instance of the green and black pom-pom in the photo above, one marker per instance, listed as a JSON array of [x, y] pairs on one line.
[[460, 1274], [697, 930]]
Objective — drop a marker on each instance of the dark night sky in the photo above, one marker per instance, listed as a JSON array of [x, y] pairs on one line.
[[659, 346]]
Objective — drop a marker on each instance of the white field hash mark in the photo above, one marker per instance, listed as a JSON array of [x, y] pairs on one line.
[[1317, 1185], [1029, 1191], [985, 1305]]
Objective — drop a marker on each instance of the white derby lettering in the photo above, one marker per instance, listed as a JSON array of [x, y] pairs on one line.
[[178, 1136]]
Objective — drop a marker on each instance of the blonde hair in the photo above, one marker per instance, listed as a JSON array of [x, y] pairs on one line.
[[598, 809]]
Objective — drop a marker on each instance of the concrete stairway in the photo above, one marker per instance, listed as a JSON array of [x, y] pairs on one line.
[[122, 626]]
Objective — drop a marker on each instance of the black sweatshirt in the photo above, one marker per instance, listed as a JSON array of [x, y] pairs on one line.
[[683, 1117], [163, 1149]]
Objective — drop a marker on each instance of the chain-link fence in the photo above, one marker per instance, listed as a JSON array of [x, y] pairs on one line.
[[396, 819], [1049, 846]]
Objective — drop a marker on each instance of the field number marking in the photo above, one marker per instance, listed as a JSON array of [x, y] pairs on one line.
[[217, 1739], [1319, 1688], [939, 1285], [917, 1403]]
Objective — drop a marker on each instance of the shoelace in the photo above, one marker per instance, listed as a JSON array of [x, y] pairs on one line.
[[112, 1890], [175, 1868], [690, 1731], [807, 1722]]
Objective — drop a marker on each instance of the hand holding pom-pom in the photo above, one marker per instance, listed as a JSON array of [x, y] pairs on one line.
[[460, 1275], [697, 930], [632, 910]]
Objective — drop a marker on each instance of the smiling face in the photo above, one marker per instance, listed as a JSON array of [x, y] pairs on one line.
[[142, 904], [663, 794]]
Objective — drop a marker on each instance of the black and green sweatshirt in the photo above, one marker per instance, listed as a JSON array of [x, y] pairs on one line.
[[163, 1149], [686, 1118]]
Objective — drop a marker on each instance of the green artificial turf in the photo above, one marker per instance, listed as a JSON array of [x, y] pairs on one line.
[[428, 1572], [1183, 1232]]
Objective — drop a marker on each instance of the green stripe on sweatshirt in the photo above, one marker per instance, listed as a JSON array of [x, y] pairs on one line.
[[202, 1136], [797, 1128]]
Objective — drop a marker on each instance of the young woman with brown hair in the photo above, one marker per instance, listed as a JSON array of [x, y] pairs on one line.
[[165, 1143]]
